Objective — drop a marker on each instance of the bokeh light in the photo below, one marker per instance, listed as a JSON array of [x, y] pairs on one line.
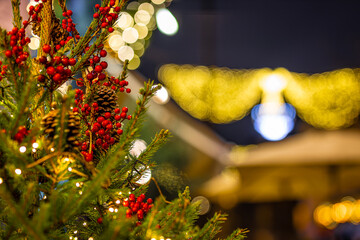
[[142, 16], [125, 53], [130, 35], [116, 42], [166, 22], [125, 20], [142, 30], [34, 43], [161, 96], [134, 63], [148, 7]]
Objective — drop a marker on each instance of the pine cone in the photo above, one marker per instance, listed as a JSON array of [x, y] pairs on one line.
[[57, 33], [106, 99], [51, 121]]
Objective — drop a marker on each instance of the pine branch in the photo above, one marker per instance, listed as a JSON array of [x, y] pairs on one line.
[[238, 234], [212, 227], [16, 11]]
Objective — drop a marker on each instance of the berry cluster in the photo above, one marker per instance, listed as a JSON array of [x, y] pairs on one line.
[[34, 13], [17, 43], [98, 66], [137, 206], [57, 68], [21, 134], [107, 18], [117, 84], [3, 70], [67, 23]]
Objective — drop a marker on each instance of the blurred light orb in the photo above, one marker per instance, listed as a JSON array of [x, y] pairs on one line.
[[147, 7], [18, 171], [130, 35], [158, 2], [134, 63], [116, 42], [151, 24], [142, 16], [137, 147], [145, 176], [125, 53], [133, 6], [142, 30], [204, 206], [166, 22], [161, 96], [273, 126], [125, 20], [34, 43]]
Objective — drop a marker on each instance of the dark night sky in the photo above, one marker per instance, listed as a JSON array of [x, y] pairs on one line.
[[302, 36]]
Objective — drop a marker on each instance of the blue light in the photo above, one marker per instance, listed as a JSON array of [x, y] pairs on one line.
[[273, 126]]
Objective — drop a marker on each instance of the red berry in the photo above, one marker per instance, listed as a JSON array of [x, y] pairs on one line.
[[129, 212], [97, 6], [43, 60], [101, 132], [107, 115], [117, 117], [69, 12], [99, 141], [72, 61], [109, 126], [110, 29], [100, 220], [98, 68], [129, 117], [100, 119], [96, 15], [76, 109], [104, 64], [46, 48], [57, 78], [89, 76], [41, 78], [119, 131], [96, 59], [50, 70], [123, 115], [117, 9], [103, 53], [118, 125], [149, 201], [8, 53], [131, 197], [128, 90], [89, 157], [65, 61], [124, 109]]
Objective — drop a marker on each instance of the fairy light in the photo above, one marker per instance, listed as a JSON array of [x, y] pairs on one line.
[[95, 208], [1, 181], [80, 192], [153, 238], [52, 149], [116, 210], [111, 209], [120, 193], [22, 149], [118, 202], [70, 237], [69, 169], [84, 223], [162, 238], [45, 197], [91, 238], [75, 232], [66, 159], [77, 184], [35, 145], [75, 238], [18, 171], [34, 150]]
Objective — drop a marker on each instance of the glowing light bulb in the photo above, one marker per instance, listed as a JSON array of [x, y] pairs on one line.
[[1, 180], [118, 202], [273, 83], [273, 126], [69, 169], [166, 22], [111, 209], [84, 223], [22, 149], [52, 149], [18, 171], [35, 145], [77, 184], [90, 238]]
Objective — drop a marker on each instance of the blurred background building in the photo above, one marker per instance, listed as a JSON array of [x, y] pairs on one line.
[[264, 105]]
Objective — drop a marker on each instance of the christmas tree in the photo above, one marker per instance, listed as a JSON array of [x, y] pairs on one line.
[[66, 167]]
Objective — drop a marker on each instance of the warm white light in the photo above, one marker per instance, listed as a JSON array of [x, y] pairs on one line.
[[125, 20], [126, 53], [35, 145], [120, 193], [66, 159], [130, 35], [142, 30], [116, 210], [52, 149], [80, 192], [273, 83], [1, 181], [91, 238], [75, 231], [69, 169], [161, 96], [166, 22], [118, 202], [75, 238], [147, 7], [34, 150], [34, 43], [84, 223], [18, 171], [142, 16], [77, 184], [116, 42], [137, 147], [158, 2], [45, 197], [111, 209], [22, 149]]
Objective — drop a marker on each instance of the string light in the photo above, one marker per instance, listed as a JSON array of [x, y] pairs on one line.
[[52, 149], [111, 209], [80, 192], [77, 184], [22, 149], [35, 145], [118, 202], [75, 232], [91, 238], [69, 169], [1, 181], [34, 150], [18, 171], [84, 223]]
